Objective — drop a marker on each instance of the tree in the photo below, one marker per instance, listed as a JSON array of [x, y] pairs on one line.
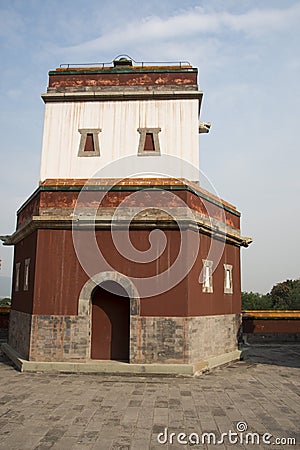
[[5, 301], [254, 300], [284, 295]]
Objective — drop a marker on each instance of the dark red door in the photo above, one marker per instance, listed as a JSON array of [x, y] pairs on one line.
[[110, 325]]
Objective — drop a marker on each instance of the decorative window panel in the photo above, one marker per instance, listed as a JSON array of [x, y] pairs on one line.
[[149, 142], [228, 286], [17, 277], [207, 280], [26, 274], [89, 142]]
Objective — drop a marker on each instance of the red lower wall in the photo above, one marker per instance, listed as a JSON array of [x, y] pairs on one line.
[[271, 326]]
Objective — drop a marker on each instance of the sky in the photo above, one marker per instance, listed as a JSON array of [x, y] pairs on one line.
[[247, 53]]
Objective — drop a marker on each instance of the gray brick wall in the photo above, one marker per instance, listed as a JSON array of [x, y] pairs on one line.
[[153, 339], [59, 338], [183, 340], [158, 339], [19, 332], [212, 335]]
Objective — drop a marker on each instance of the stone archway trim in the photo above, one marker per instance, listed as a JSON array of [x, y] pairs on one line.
[[84, 303]]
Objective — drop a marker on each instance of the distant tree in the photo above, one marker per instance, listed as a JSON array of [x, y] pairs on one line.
[[5, 301], [254, 300], [286, 295]]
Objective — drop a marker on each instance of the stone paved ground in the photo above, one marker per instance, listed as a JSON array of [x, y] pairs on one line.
[[61, 412]]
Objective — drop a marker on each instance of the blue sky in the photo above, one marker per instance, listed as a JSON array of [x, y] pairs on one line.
[[247, 53]]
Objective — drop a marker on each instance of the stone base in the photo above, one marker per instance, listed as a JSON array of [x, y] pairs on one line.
[[19, 332], [184, 340], [153, 340], [49, 338], [115, 367]]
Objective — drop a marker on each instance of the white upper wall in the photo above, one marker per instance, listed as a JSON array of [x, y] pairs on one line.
[[119, 122]]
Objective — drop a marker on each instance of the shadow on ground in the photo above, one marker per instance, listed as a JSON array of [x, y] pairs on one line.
[[285, 354]]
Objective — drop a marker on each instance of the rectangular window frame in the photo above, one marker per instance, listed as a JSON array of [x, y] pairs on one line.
[[84, 132], [143, 132], [207, 278], [26, 274], [228, 287], [17, 276]]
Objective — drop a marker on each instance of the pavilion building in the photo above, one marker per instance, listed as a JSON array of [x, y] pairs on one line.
[[120, 254]]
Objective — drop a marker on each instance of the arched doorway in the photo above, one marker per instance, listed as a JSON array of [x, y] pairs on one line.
[[110, 324]]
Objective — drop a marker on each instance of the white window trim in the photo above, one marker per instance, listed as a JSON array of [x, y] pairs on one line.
[[207, 280], [84, 132], [154, 132], [26, 274], [228, 270], [17, 277]]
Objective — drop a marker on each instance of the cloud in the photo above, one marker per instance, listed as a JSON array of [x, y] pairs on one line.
[[263, 21], [186, 24]]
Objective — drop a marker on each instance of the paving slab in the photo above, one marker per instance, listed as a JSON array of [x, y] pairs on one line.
[[259, 394]]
